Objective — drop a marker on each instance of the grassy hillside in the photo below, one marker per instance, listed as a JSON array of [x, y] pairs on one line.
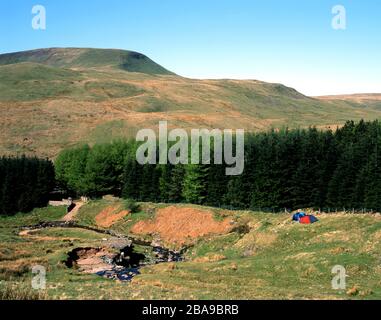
[[54, 98], [87, 58], [262, 256]]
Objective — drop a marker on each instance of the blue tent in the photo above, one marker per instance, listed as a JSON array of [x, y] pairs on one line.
[[297, 216]]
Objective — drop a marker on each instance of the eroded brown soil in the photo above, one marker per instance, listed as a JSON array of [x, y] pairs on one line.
[[180, 225]]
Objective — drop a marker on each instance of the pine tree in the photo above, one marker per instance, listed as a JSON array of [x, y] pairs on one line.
[[70, 167], [176, 184], [149, 183], [372, 172], [195, 183], [132, 178], [25, 183], [165, 182]]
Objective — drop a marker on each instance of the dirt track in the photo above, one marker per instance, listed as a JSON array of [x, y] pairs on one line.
[[70, 216]]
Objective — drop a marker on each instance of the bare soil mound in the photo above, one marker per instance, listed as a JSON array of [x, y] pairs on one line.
[[109, 216], [182, 225]]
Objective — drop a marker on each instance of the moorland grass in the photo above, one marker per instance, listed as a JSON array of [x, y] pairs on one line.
[[273, 258]]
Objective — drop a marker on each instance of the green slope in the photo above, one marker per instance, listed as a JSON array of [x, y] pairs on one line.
[[54, 98], [87, 58], [267, 256]]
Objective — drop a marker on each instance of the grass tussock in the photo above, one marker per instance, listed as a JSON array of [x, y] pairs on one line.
[[17, 291]]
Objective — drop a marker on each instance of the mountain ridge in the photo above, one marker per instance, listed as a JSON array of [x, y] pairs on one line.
[[130, 61], [50, 100]]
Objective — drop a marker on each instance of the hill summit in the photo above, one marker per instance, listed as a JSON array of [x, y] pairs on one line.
[[87, 58], [54, 98]]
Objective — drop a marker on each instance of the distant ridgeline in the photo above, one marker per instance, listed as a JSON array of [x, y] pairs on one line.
[[25, 183], [283, 169]]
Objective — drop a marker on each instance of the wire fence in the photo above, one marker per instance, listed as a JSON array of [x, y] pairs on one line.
[[317, 210]]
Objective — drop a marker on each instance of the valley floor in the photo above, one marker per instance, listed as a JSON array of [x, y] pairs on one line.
[[230, 255]]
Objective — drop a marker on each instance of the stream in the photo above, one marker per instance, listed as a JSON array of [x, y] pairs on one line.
[[124, 265], [134, 253]]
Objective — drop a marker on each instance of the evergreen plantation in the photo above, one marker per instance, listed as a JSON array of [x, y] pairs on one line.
[[290, 169], [25, 183], [283, 169]]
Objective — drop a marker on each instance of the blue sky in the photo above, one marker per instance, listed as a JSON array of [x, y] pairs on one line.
[[286, 41]]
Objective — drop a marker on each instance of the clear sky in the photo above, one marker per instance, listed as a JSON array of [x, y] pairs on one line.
[[286, 41]]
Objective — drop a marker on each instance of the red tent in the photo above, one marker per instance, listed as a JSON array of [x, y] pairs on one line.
[[308, 219]]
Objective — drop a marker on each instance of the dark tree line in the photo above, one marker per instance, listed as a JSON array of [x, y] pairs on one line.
[[25, 183], [283, 169]]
